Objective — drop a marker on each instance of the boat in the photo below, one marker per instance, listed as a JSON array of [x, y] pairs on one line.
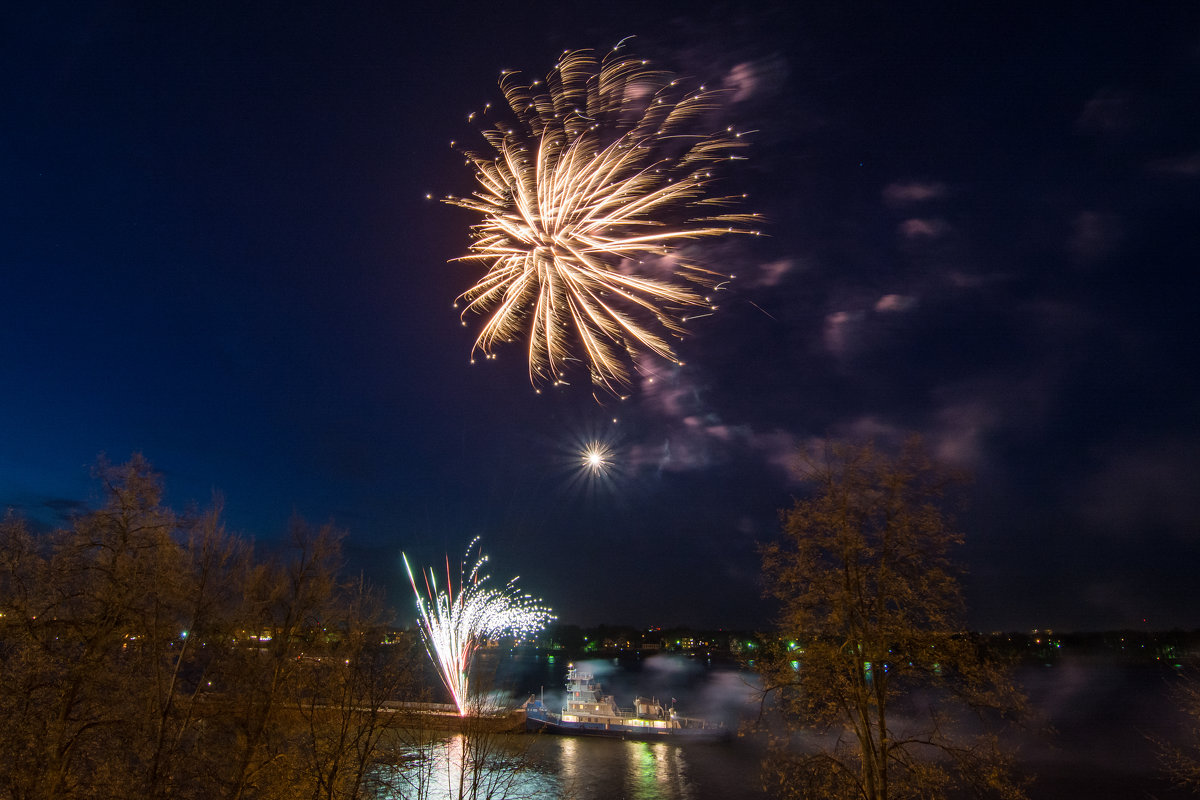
[[590, 712]]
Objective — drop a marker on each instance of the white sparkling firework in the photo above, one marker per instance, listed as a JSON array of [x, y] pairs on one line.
[[593, 461], [596, 457], [454, 623], [598, 184]]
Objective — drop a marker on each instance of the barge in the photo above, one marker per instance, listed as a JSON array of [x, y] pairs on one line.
[[590, 712]]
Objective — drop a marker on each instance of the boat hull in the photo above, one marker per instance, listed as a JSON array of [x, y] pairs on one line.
[[615, 730]]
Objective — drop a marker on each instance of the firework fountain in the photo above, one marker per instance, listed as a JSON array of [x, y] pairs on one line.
[[590, 191], [454, 622]]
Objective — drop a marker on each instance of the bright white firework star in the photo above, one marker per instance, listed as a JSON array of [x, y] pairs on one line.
[[597, 457]]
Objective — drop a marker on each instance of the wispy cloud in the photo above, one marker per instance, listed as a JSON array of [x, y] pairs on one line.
[[742, 79], [771, 273], [902, 194], [1184, 166], [841, 329], [1095, 236], [755, 78], [689, 444], [959, 432], [1108, 112], [894, 303], [961, 279], [1144, 487], [691, 436], [780, 449], [918, 228]]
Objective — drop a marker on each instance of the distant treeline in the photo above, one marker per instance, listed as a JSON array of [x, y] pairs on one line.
[[576, 641]]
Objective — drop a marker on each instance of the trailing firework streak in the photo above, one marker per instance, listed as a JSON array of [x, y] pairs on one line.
[[588, 198], [453, 624]]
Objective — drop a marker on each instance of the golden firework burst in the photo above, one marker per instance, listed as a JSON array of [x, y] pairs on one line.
[[589, 196]]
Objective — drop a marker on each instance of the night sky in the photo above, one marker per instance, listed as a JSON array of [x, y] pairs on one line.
[[216, 250]]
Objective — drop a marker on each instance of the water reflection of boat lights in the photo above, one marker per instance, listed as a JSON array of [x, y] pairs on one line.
[[569, 758], [653, 768], [445, 769]]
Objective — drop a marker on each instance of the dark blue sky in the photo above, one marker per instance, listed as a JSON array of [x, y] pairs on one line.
[[215, 249]]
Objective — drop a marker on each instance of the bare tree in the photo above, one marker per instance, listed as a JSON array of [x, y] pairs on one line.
[[205, 594], [342, 698], [1180, 759], [883, 693], [82, 601], [144, 654], [25, 665], [285, 604]]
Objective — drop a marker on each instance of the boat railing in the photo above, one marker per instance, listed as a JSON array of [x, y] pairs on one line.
[[696, 722]]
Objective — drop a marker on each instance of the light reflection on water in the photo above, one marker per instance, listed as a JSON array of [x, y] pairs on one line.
[[657, 771], [576, 768], [596, 768], [458, 767]]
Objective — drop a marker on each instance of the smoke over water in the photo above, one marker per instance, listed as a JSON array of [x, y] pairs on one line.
[[1099, 717], [713, 690], [1095, 716]]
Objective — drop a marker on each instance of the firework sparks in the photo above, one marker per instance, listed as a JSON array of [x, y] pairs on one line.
[[453, 624], [603, 177]]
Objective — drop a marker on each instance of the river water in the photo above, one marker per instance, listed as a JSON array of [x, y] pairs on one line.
[[584, 768], [1104, 715], [589, 768]]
